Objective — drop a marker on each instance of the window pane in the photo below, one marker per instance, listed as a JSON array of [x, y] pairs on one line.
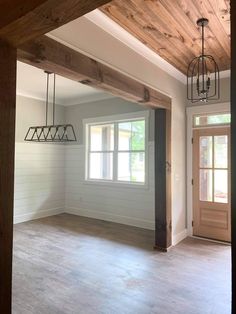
[[205, 143], [221, 151], [221, 186], [125, 134], [138, 135], [219, 119], [132, 135], [213, 119], [205, 185], [131, 167], [102, 137], [101, 166]]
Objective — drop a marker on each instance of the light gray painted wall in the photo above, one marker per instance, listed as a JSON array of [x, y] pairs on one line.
[[39, 167], [224, 93], [31, 112], [75, 114], [131, 62], [130, 205]]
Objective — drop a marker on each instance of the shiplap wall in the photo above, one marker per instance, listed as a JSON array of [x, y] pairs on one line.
[[128, 205], [39, 180]]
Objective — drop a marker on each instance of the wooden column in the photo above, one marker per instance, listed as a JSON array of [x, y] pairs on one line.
[[233, 149], [7, 147], [162, 179]]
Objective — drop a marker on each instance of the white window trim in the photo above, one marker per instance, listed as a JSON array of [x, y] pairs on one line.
[[116, 118], [191, 112]]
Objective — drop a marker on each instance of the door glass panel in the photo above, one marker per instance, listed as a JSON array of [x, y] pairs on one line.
[[221, 186], [221, 151], [206, 185], [205, 151]]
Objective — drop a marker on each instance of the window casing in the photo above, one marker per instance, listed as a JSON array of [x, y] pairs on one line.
[[116, 149]]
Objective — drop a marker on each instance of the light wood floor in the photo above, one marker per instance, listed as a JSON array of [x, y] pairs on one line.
[[67, 264]]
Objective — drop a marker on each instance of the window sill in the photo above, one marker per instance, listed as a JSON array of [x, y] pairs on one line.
[[113, 184]]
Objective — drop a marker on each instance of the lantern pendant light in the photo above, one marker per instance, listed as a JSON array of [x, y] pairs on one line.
[[54, 133], [203, 78]]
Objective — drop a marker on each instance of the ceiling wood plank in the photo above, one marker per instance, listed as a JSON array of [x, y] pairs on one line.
[[48, 54], [169, 27], [23, 20]]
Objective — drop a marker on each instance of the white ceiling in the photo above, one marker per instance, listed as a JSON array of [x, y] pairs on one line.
[[31, 82]]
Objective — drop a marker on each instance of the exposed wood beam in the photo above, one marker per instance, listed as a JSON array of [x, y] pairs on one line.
[[22, 20], [7, 147], [48, 54], [233, 150], [163, 226]]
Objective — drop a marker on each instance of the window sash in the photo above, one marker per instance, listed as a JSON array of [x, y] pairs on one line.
[[115, 151]]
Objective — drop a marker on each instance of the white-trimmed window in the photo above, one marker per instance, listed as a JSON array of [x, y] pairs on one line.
[[116, 148]]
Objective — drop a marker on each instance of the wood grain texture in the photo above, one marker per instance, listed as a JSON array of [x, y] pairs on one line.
[[48, 54], [73, 265], [163, 228], [169, 27], [22, 20], [7, 145], [233, 152], [211, 218]]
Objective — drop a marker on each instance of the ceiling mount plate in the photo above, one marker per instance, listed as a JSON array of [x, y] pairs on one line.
[[202, 22]]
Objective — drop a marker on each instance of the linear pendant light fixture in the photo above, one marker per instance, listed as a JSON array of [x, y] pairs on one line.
[[55, 133], [203, 78]]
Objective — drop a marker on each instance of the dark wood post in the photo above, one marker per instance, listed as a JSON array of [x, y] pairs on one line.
[[163, 227], [7, 148], [233, 149]]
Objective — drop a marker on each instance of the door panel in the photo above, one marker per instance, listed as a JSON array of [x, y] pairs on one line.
[[211, 172]]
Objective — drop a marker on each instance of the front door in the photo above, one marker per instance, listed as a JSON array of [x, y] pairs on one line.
[[211, 173]]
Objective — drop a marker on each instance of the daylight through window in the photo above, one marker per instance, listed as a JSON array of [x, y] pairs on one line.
[[116, 151]]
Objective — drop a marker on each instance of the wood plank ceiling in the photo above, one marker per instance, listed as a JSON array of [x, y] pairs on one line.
[[169, 27]]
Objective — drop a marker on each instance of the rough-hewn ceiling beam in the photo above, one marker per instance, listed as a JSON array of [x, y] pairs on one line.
[[22, 20], [48, 54]]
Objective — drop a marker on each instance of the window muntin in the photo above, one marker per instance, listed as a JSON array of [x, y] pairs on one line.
[[116, 151], [211, 119], [213, 168]]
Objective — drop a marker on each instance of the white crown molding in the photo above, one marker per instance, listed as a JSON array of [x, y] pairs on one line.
[[86, 53], [72, 101], [28, 95], [86, 99], [225, 74], [108, 25]]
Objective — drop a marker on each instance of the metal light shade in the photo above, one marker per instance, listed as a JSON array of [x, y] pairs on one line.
[[203, 78], [51, 133]]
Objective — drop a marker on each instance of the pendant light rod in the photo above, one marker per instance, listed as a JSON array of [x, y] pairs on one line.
[[52, 133], [47, 96], [202, 23], [203, 78], [54, 98]]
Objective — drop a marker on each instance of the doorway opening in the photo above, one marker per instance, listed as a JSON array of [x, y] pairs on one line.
[[209, 199]]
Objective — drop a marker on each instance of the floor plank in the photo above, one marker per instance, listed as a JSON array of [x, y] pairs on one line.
[[72, 265]]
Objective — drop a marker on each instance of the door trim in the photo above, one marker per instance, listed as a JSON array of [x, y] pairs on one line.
[[190, 112], [205, 205]]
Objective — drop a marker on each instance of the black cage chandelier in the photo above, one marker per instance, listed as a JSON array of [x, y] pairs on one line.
[[51, 132], [203, 78]]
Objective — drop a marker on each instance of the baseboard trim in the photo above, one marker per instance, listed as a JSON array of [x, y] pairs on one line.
[[37, 215], [145, 224], [179, 237]]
